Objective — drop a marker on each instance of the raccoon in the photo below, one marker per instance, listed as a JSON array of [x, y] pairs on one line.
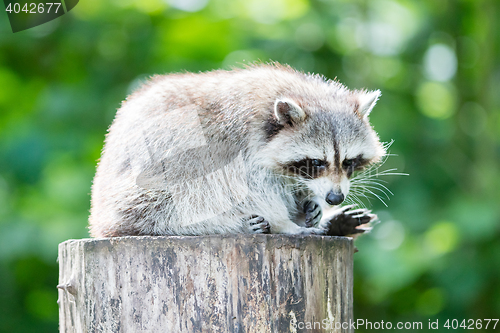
[[264, 149]]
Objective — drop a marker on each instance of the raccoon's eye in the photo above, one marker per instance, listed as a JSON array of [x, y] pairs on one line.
[[354, 164], [308, 168], [348, 163], [317, 163]]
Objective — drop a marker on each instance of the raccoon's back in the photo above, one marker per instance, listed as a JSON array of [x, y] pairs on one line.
[[174, 128]]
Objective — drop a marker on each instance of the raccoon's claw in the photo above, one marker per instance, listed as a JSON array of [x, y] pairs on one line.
[[258, 225], [350, 222], [313, 212]]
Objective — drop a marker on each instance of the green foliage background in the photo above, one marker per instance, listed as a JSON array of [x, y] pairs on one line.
[[436, 253]]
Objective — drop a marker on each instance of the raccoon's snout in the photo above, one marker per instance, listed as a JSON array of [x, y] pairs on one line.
[[333, 198]]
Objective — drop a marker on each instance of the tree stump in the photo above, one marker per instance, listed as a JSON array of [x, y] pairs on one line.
[[219, 283]]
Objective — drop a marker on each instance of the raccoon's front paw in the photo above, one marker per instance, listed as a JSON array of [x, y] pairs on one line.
[[350, 222], [258, 225], [313, 212]]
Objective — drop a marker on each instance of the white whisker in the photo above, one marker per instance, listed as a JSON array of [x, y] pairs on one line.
[[366, 184]]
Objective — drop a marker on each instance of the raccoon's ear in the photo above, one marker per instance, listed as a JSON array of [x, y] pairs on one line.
[[288, 112], [367, 101]]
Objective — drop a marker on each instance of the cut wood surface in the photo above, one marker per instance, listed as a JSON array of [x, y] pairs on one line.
[[230, 283]]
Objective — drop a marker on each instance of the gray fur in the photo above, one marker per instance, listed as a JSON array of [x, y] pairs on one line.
[[194, 154]]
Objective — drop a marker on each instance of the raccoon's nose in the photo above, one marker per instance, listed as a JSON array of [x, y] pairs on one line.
[[333, 198]]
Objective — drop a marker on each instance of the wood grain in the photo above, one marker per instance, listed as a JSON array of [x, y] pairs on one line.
[[230, 283]]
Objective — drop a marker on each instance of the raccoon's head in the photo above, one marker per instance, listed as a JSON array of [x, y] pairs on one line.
[[322, 144]]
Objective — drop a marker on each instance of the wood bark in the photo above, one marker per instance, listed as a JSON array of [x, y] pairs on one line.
[[230, 283]]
